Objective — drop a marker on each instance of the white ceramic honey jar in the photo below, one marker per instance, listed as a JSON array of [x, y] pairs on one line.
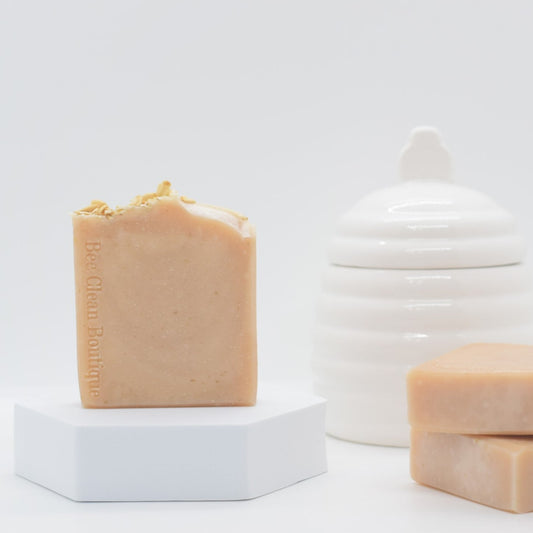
[[415, 270]]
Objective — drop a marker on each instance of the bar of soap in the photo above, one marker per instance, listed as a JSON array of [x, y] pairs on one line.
[[165, 304], [476, 389], [494, 471]]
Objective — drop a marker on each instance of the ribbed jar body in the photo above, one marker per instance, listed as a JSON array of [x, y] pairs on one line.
[[374, 324]]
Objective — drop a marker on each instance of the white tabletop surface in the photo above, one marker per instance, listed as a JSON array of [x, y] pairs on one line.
[[367, 488]]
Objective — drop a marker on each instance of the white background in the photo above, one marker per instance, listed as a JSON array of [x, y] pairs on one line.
[[287, 111]]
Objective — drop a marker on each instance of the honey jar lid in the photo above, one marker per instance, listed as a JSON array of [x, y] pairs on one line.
[[426, 221]]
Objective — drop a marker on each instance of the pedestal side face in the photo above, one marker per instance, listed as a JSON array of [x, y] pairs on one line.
[[292, 445], [162, 463], [45, 451]]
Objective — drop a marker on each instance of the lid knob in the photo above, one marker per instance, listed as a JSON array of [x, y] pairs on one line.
[[425, 157]]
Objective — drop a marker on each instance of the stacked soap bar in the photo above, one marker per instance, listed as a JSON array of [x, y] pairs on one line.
[[471, 413]]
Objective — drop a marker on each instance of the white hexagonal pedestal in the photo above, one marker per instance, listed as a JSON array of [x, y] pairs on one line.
[[214, 453]]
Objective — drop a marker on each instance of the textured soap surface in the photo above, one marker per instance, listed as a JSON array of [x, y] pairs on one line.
[[165, 301], [476, 389], [495, 471]]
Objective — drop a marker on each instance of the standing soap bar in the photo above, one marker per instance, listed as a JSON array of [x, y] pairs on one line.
[[415, 270], [165, 301]]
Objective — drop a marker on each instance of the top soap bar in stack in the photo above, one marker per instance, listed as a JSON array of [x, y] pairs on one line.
[[476, 389], [165, 300]]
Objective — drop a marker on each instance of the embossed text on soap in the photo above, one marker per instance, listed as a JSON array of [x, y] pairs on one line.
[[95, 331]]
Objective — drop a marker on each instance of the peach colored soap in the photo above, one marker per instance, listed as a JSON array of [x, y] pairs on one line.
[[165, 301], [476, 389], [495, 471]]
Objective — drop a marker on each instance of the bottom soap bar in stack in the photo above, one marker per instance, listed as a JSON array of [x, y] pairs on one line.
[[471, 413], [495, 471]]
